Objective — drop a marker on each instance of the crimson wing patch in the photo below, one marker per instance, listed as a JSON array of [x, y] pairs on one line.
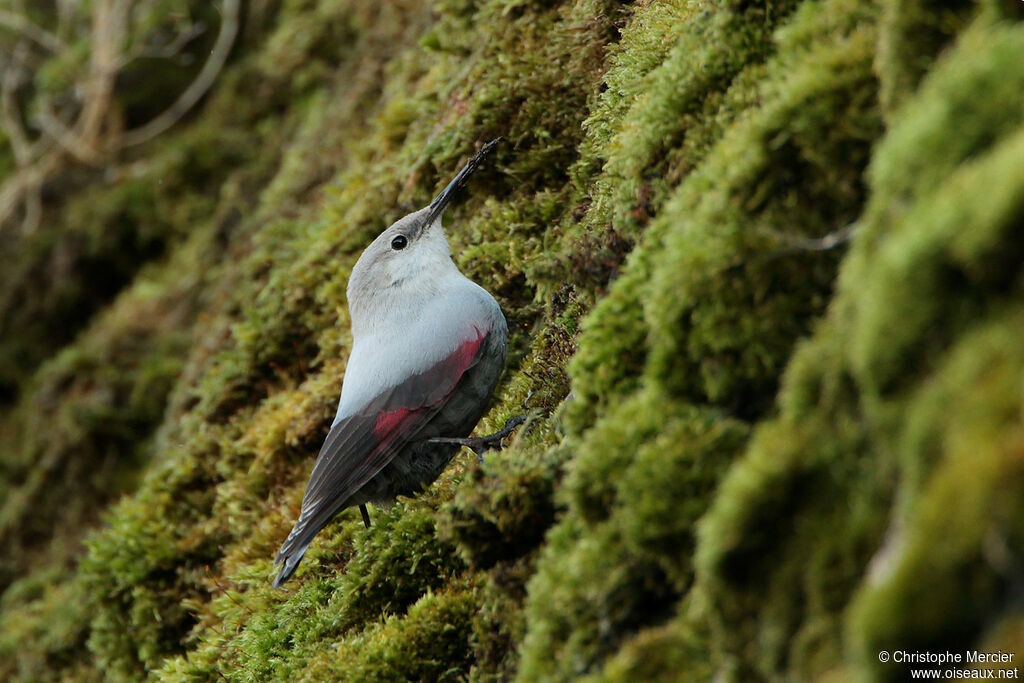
[[361, 445]]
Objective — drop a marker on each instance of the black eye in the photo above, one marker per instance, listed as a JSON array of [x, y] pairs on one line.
[[399, 242]]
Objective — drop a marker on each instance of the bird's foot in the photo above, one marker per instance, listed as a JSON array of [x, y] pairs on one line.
[[482, 444]]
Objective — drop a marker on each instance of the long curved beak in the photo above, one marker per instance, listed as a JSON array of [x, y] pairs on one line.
[[441, 201]]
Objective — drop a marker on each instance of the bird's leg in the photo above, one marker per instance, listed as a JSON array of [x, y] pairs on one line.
[[482, 444], [478, 444]]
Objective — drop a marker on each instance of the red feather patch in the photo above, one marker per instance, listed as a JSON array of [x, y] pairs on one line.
[[456, 364], [467, 349], [386, 422]]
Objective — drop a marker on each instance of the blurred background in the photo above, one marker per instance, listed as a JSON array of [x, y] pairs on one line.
[[762, 267]]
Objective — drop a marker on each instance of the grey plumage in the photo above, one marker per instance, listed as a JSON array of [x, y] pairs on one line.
[[429, 348]]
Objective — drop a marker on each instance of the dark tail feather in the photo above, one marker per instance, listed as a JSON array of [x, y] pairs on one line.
[[311, 521], [291, 563]]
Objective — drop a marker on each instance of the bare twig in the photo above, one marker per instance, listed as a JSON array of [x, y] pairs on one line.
[[21, 190], [10, 117], [72, 143], [33, 209], [167, 51], [37, 34], [80, 123], [66, 10], [207, 75], [798, 243]]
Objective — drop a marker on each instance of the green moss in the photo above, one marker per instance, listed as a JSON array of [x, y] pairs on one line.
[[715, 264], [666, 653], [954, 431], [431, 644], [502, 510], [807, 511], [285, 343], [940, 579], [933, 267], [911, 34], [46, 611], [583, 611], [690, 94], [101, 400], [678, 106], [698, 493], [718, 304], [621, 554]]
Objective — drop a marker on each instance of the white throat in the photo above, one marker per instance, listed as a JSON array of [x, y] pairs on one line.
[[388, 290]]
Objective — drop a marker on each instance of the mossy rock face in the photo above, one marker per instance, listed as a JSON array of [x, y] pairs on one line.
[[502, 512], [855, 464], [761, 263]]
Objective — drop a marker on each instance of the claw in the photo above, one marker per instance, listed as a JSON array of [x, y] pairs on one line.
[[482, 444]]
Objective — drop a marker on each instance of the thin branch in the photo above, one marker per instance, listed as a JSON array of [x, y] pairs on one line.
[[795, 244], [33, 202], [33, 32], [11, 117], [109, 27], [73, 144], [18, 190], [168, 51], [65, 17], [207, 75], [798, 243], [88, 138]]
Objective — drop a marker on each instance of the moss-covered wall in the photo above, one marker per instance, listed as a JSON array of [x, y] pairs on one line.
[[762, 265]]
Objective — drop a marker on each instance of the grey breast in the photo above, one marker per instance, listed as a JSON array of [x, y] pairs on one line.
[[419, 464]]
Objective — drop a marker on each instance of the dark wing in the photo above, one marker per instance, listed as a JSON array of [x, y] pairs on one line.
[[362, 444]]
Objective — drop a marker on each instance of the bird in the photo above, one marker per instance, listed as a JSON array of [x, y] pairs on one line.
[[429, 346]]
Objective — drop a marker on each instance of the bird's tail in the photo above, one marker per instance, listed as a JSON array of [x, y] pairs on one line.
[[311, 521], [289, 563]]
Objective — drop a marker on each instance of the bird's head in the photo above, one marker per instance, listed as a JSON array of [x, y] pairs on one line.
[[413, 252]]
